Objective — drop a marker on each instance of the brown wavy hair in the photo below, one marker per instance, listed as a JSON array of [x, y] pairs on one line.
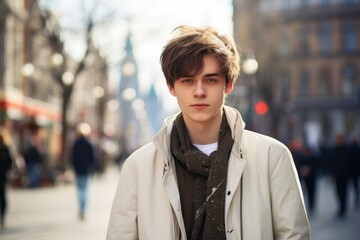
[[184, 53]]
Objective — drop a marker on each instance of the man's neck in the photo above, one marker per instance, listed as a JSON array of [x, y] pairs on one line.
[[201, 133]]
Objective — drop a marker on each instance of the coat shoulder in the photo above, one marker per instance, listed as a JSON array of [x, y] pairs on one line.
[[143, 155], [263, 139], [264, 142]]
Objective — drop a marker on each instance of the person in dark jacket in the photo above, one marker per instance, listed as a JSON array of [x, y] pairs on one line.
[[33, 160], [83, 162], [354, 155], [5, 166], [309, 173], [297, 150], [340, 169]]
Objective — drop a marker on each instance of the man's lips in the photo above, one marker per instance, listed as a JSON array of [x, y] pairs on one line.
[[199, 105]]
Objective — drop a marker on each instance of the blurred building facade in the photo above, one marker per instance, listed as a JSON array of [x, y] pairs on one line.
[[29, 99], [89, 100], [37, 75], [309, 59]]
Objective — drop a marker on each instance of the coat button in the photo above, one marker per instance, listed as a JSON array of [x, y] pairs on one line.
[[229, 192]]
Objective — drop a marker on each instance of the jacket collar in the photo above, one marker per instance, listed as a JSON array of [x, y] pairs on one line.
[[162, 138]]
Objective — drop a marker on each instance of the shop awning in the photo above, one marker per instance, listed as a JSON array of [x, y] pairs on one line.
[[25, 106]]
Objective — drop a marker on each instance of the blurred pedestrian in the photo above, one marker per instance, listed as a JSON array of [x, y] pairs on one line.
[[33, 160], [308, 171], [325, 155], [354, 156], [296, 148], [340, 170], [5, 165], [84, 162], [204, 176]]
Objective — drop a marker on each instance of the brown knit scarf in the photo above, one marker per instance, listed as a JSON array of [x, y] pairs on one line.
[[210, 174]]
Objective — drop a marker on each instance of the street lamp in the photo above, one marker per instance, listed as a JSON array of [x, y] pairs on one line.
[[28, 70], [57, 59], [98, 92], [250, 67], [67, 78]]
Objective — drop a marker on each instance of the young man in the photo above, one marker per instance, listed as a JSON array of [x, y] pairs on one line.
[[204, 176]]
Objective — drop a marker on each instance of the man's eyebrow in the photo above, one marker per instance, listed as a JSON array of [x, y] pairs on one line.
[[185, 76], [206, 75], [214, 75]]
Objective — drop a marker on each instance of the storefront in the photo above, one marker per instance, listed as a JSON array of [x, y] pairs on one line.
[[23, 120]]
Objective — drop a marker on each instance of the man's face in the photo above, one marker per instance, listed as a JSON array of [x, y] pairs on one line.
[[201, 96]]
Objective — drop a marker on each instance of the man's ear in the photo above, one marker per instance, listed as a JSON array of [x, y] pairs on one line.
[[171, 90], [229, 87]]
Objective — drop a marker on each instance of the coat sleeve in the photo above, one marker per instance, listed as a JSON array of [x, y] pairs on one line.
[[123, 217], [288, 210]]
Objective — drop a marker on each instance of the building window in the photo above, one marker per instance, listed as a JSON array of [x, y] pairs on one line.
[[284, 87], [349, 1], [284, 42], [348, 83], [304, 84], [324, 84], [325, 38], [349, 37], [304, 3], [285, 5], [304, 41], [324, 3]]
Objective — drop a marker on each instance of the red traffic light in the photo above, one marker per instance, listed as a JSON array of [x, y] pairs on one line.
[[261, 108]]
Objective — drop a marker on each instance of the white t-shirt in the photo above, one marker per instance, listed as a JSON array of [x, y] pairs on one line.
[[207, 148]]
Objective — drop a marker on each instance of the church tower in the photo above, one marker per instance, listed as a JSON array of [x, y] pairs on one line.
[[130, 129]]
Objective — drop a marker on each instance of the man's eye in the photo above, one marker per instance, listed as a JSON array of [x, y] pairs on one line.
[[211, 80], [187, 81]]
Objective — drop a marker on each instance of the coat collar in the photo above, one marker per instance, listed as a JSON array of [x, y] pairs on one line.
[[237, 125]]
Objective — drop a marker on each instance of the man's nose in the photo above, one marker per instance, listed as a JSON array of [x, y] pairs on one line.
[[200, 90]]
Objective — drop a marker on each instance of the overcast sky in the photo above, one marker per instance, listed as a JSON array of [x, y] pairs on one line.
[[151, 23]]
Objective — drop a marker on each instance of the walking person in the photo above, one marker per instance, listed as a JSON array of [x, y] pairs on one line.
[[296, 148], [83, 162], [33, 160], [340, 170], [308, 172], [204, 176], [5, 165], [354, 156]]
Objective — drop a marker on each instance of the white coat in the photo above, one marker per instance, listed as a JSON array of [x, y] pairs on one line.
[[268, 204]]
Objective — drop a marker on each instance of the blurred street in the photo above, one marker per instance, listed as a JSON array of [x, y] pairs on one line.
[[50, 213], [325, 225]]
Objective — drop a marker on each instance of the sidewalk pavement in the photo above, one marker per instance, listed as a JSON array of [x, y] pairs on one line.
[[51, 213], [324, 223]]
